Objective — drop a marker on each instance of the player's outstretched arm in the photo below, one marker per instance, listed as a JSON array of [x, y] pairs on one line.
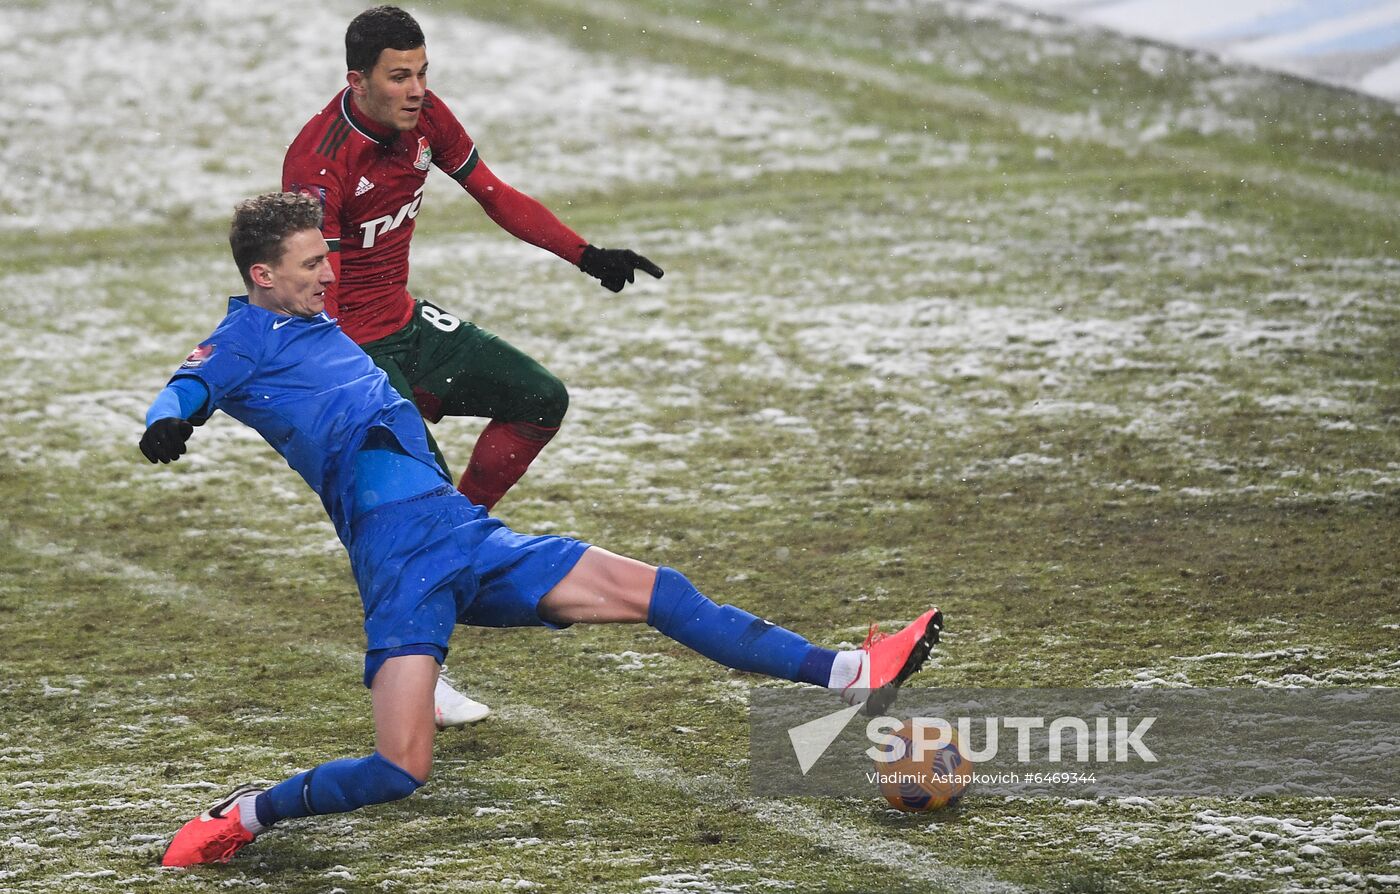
[[167, 421], [528, 220]]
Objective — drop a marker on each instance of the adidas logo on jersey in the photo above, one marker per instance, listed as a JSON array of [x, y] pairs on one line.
[[363, 187]]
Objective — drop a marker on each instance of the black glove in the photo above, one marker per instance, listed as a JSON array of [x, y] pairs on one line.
[[164, 441], [615, 266]]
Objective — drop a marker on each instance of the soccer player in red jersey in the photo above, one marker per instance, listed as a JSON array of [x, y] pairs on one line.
[[365, 157]]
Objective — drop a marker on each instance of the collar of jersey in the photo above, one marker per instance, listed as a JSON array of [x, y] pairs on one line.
[[237, 302], [368, 129]]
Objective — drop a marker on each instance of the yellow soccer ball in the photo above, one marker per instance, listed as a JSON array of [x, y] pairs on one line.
[[919, 780]]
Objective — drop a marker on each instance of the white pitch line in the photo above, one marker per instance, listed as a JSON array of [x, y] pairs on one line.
[[791, 818], [787, 817]]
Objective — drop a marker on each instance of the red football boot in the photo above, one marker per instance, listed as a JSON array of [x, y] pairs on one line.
[[212, 837], [890, 660]]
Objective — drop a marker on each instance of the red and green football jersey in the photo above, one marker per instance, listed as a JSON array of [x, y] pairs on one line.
[[370, 182], [370, 179]]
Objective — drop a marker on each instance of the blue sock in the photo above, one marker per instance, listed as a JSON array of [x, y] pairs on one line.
[[336, 787], [732, 636]]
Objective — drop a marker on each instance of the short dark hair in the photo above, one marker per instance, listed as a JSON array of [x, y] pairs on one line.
[[376, 30], [260, 225]]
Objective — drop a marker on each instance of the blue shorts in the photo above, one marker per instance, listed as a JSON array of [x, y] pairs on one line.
[[430, 562]]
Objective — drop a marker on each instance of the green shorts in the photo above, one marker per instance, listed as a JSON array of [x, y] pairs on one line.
[[450, 367]]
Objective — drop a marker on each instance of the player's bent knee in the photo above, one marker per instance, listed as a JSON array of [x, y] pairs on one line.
[[551, 400], [391, 781], [416, 763]]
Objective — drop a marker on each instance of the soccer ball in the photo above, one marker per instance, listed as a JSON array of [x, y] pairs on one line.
[[917, 786]]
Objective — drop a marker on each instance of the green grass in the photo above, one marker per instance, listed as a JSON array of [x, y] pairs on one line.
[[1109, 406]]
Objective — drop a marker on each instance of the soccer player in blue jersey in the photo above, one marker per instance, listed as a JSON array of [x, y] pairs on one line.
[[424, 557]]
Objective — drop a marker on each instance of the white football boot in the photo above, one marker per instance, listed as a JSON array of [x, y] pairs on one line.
[[453, 709]]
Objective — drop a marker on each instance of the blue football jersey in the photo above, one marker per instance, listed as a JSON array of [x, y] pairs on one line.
[[310, 391]]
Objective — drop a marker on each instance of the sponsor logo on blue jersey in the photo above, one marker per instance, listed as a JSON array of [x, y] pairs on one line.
[[197, 357]]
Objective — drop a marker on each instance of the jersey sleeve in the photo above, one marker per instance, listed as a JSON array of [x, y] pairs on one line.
[[523, 217], [512, 210], [221, 363], [454, 152], [181, 399]]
